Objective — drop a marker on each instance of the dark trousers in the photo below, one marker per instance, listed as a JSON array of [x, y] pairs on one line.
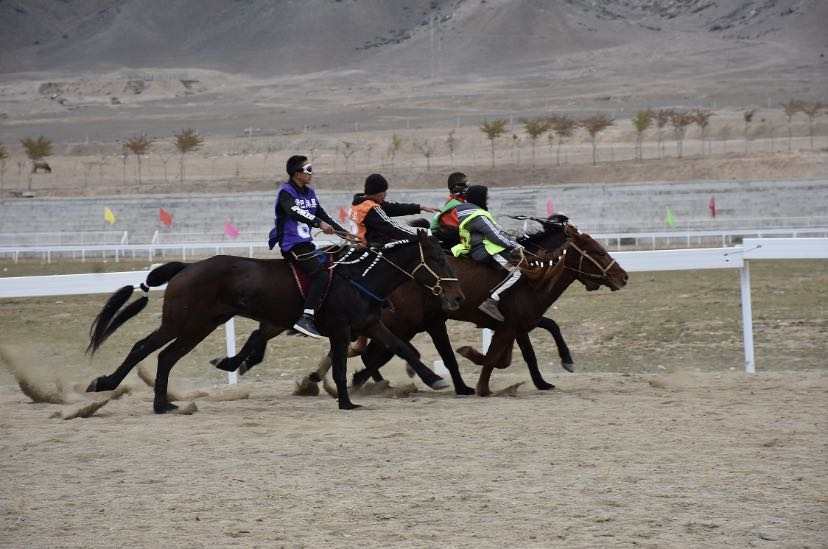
[[311, 265]]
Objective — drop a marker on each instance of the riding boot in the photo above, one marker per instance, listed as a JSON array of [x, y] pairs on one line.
[[490, 305], [306, 324]]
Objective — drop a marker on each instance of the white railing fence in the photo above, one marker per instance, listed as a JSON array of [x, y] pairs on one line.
[[158, 248], [737, 257]]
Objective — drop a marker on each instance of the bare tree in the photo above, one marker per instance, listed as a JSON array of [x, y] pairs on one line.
[[812, 110], [452, 143], [36, 149], [594, 125], [395, 145], [701, 118], [425, 148], [493, 130], [515, 148], [187, 140], [348, 150], [139, 146], [747, 116], [563, 127], [165, 158], [724, 135], [641, 122], [680, 121], [791, 108], [534, 128], [662, 118], [4, 155]]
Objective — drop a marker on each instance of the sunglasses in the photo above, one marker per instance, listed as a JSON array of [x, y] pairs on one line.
[[308, 169]]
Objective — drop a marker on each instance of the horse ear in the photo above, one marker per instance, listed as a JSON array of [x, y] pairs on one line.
[[422, 235]]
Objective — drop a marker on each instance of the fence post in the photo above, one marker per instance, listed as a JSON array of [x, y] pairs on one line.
[[747, 318], [230, 338]]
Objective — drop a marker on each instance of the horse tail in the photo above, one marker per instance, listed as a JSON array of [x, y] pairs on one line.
[[113, 317], [163, 274]]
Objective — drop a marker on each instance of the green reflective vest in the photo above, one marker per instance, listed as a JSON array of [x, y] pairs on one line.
[[464, 247], [435, 221]]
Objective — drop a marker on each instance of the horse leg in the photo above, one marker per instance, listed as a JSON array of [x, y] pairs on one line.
[[532, 362], [403, 349], [563, 351], [167, 358], [339, 361], [498, 353], [439, 335], [252, 351], [254, 344], [141, 350], [375, 356]]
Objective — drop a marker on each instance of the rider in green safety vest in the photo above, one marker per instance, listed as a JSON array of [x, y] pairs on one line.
[[484, 241]]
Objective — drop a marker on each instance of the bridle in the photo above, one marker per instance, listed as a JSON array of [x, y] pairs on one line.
[[436, 288], [585, 255]]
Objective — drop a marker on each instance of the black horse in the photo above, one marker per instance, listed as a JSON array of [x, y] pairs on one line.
[[201, 296]]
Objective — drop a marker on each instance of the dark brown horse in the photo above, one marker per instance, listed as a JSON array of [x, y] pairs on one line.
[[201, 296]]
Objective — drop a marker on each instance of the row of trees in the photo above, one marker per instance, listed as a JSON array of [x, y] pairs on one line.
[[562, 127], [39, 148], [558, 127]]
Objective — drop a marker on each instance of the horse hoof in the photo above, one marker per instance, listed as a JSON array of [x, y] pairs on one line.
[[359, 379], [215, 361], [544, 386], [348, 406], [464, 390], [164, 408], [568, 366], [92, 387], [439, 384]]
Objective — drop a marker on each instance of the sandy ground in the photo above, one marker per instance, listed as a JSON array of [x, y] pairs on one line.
[[609, 459], [657, 440]]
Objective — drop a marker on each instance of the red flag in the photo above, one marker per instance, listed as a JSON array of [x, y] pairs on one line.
[[343, 215], [712, 206], [550, 209], [231, 230], [165, 217]]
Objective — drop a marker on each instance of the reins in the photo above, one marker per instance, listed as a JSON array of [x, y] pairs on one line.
[[436, 288]]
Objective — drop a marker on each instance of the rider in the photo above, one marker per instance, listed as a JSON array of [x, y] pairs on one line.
[[372, 213], [485, 242], [444, 224], [297, 210]]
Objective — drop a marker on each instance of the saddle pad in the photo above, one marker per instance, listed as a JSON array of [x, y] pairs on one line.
[[303, 281]]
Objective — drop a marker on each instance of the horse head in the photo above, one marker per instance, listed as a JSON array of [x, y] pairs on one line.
[[435, 273], [592, 265]]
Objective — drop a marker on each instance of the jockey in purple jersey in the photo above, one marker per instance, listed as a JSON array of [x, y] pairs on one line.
[[297, 211]]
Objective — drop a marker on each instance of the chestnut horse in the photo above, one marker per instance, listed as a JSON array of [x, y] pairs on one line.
[[522, 307], [201, 296]]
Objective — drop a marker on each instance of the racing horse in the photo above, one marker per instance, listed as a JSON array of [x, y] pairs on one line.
[[201, 296]]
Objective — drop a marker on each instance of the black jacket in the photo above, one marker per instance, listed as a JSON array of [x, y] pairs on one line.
[[379, 227]]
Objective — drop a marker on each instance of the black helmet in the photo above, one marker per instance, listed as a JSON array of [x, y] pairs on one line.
[[457, 183], [478, 195]]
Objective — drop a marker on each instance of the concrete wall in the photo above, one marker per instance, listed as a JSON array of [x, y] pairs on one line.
[[593, 207]]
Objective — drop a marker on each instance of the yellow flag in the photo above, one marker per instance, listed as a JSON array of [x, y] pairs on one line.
[[109, 217]]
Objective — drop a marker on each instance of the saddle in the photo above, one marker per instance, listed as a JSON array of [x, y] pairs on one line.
[[303, 281]]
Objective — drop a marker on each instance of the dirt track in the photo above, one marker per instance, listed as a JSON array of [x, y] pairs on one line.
[[609, 459], [658, 440]]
